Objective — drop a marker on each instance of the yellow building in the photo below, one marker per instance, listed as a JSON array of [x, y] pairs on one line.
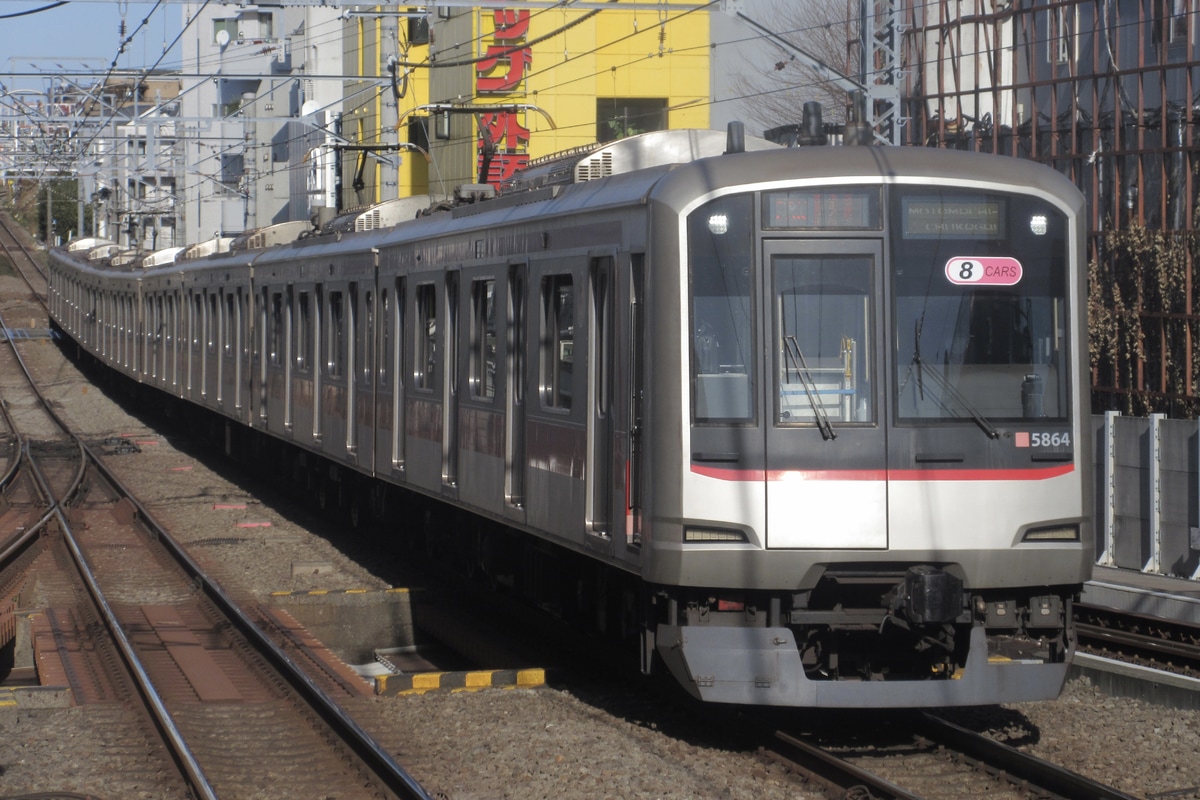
[[379, 41], [493, 89]]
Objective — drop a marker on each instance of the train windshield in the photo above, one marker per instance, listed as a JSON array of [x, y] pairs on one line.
[[976, 283], [721, 272], [979, 283]]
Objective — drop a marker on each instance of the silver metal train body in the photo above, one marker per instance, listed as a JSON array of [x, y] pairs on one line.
[[819, 414]]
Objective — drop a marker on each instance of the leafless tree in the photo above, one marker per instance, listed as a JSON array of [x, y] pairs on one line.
[[826, 32]]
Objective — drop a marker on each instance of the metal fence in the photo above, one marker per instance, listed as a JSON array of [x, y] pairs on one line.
[[1148, 494]]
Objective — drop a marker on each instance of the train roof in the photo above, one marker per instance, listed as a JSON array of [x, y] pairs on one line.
[[670, 167], [839, 165]]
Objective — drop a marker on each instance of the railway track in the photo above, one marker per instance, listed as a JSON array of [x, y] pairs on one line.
[[105, 503], [242, 701], [924, 757], [1165, 645], [13, 246]]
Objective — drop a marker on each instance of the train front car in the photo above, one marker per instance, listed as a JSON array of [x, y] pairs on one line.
[[876, 372]]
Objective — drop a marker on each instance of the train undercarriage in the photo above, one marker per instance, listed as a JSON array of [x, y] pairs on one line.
[[918, 625]]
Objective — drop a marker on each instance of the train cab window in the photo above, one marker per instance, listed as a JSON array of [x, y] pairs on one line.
[[557, 356], [720, 279], [483, 339], [336, 345], [275, 340], [304, 332], [823, 329], [980, 307], [425, 340]]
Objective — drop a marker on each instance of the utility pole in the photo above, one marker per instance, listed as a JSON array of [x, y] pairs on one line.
[[879, 64]]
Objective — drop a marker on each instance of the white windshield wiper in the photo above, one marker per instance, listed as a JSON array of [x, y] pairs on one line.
[[796, 357]]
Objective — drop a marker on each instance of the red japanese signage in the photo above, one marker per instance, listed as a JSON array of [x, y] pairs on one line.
[[503, 140]]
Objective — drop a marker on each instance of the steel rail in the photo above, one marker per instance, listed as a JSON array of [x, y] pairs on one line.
[[1039, 772], [1095, 631], [1155, 645], [391, 773], [17, 544], [161, 716], [373, 754], [837, 772], [25, 252]]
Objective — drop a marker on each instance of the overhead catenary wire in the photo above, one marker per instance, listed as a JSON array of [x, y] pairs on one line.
[[335, 35]]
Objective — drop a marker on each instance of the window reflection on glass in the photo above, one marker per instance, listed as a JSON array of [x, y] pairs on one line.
[[721, 279], [977, 351]]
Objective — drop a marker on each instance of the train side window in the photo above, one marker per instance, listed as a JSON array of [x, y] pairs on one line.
[[275, 344], [385, 335], [304, 330], [557, 341], [170, 321], [229, 337], [425, 340], [368, 337], [212, 316], [197, 321], [483, 339], [336, 345]]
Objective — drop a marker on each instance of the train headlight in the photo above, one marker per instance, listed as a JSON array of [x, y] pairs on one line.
[[1059, 533], [718, 224], [713, 535], [1039, 224]]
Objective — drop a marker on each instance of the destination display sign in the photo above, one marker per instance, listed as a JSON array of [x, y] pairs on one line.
[[822, 209], [931, 217]]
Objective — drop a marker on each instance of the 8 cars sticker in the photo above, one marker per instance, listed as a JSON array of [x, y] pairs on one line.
[[984, 270]]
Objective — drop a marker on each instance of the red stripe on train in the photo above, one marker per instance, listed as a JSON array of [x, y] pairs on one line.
[[1029, 474]]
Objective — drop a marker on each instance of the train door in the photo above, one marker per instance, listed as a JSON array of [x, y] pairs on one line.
[[316, 323], [265, 343], [450, 384], [152, 337], [384, 403], [600, 441], [192, 310], [347, 332], [245, 327], [172, 341], [133, 353], [334, 395], [826, 455], [211, 360], [397, 372], [363, 344], [514, 456], [286, 353], [637, 397], [302, 366]]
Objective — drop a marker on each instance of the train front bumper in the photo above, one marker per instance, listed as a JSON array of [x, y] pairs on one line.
[[761, 666]]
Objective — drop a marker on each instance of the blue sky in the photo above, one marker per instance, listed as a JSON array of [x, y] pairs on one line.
[[80, 33]]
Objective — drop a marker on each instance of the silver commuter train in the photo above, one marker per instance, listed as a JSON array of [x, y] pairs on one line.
[[811, 422]]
